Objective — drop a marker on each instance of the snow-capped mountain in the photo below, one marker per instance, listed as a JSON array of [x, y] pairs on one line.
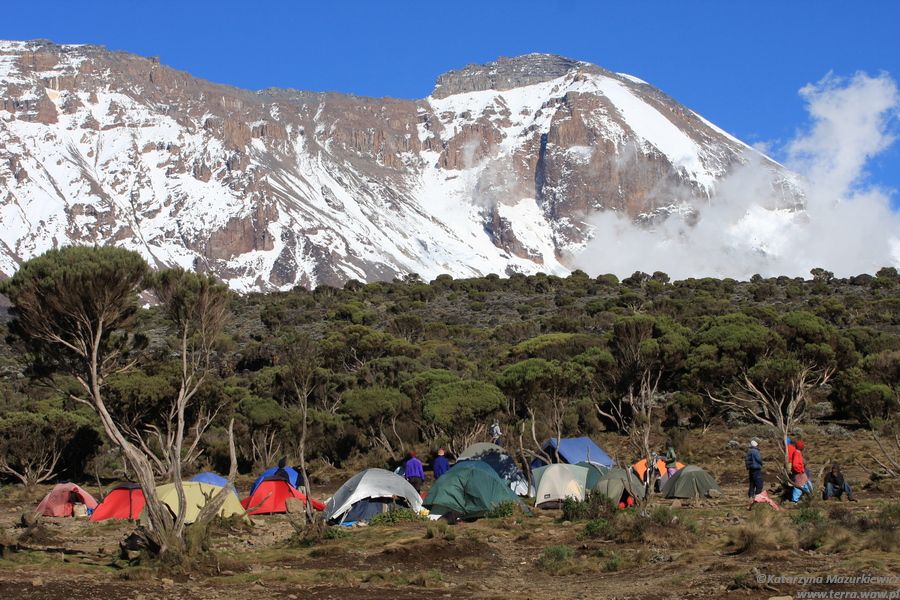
[[499, 170]]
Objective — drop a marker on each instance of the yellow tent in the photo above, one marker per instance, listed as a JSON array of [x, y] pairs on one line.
[[196, 494]]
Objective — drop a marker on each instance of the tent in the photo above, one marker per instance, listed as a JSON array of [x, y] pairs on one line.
[[690, 482], [196, 495], [640, 467], [212, 479], [368, 493], [470, 489], [618, 481], [555, 483], [61, 501], [293, 477], [124, 502], [479, 448], [270, 497], [595, 472], [500, 461], [573, 451]]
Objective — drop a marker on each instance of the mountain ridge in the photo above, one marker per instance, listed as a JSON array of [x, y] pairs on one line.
[[499, 170]]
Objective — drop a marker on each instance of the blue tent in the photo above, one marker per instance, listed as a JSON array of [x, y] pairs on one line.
[[211, 478], [293, 477], [574, 451]]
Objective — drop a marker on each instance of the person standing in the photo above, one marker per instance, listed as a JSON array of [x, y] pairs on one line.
[[414, 472], [671, 458], [754, 463], [440, 465], [496, 435]]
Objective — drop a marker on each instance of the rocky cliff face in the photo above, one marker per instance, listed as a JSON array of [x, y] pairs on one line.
[[499, 170]]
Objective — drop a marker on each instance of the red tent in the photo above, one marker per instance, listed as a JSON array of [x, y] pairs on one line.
[[270, 496], [62, 498], [124, 502]]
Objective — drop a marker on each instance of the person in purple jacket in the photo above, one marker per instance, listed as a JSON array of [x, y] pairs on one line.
[[414, 472]]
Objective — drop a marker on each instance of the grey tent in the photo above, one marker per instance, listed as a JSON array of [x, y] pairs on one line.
[[690, 482], [370, 492], [554, 483], [617, 481]]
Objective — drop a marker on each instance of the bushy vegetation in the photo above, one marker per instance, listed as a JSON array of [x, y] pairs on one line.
[[403, 364]]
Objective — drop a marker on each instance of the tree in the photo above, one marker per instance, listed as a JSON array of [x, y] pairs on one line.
[[301, 358], [776, 392], [458, 411], [33, 445], [75, 307], [374, 409]]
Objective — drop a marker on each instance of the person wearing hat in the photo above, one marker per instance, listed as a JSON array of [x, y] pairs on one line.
[[754, 463], [414, 472], [440, 465]]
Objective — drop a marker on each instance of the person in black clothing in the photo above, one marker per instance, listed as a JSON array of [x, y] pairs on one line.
[[836, 485]]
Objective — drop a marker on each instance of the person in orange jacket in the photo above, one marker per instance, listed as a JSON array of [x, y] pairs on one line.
[[802, 484]]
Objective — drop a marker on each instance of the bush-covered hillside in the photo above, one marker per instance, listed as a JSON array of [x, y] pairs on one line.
[[414, 364]]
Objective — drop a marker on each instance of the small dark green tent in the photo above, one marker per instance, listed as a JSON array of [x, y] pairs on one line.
[[470, 489], [690, 482], [616, 481]]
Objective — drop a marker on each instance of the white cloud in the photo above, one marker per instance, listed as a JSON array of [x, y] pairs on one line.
[[751, 226]]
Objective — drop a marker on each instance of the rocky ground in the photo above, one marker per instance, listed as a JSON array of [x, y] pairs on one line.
[[711, 549]]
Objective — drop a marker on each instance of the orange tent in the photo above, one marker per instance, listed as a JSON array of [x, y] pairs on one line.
[[124, 502], [60, 501], [270, 497], [640, 467]]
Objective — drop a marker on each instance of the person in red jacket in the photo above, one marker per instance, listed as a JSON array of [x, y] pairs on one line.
[[802, 484]]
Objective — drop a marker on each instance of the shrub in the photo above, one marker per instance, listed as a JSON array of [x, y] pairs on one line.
[[392, 517], [598, 528], [441, 531], [556, 558], [336, 533], [594, 506], [613, 562], [502, 510]]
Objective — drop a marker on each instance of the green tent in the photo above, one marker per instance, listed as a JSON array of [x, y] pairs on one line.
[[690, 482], [470, 489], [616, 481], [595, 472]]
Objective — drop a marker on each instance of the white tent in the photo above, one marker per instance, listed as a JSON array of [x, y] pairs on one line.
[[371, 485], [555, 483]]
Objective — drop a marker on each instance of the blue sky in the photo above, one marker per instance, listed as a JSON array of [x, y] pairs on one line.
[[739, 64]]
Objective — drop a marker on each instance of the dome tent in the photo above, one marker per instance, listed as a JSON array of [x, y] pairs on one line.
[[573, 451], [470, 489], [595, 472], [290, 475], [618, 481], [368, 493], [554, 483], [61, 501], [124, 502], [690, 482], [196, 495], [270, 497]]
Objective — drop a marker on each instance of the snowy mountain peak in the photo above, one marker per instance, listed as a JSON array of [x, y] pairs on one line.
[[500, 170]]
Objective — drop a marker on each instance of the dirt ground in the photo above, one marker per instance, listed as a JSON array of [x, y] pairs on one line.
[[716, 548]]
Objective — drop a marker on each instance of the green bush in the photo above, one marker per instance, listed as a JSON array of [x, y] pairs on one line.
[[392, 517], [598, 528], [555, 558], [594, 506], [502, 510]]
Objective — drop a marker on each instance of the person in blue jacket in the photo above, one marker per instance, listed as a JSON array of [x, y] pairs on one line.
[[754, 463], [440, 465]]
